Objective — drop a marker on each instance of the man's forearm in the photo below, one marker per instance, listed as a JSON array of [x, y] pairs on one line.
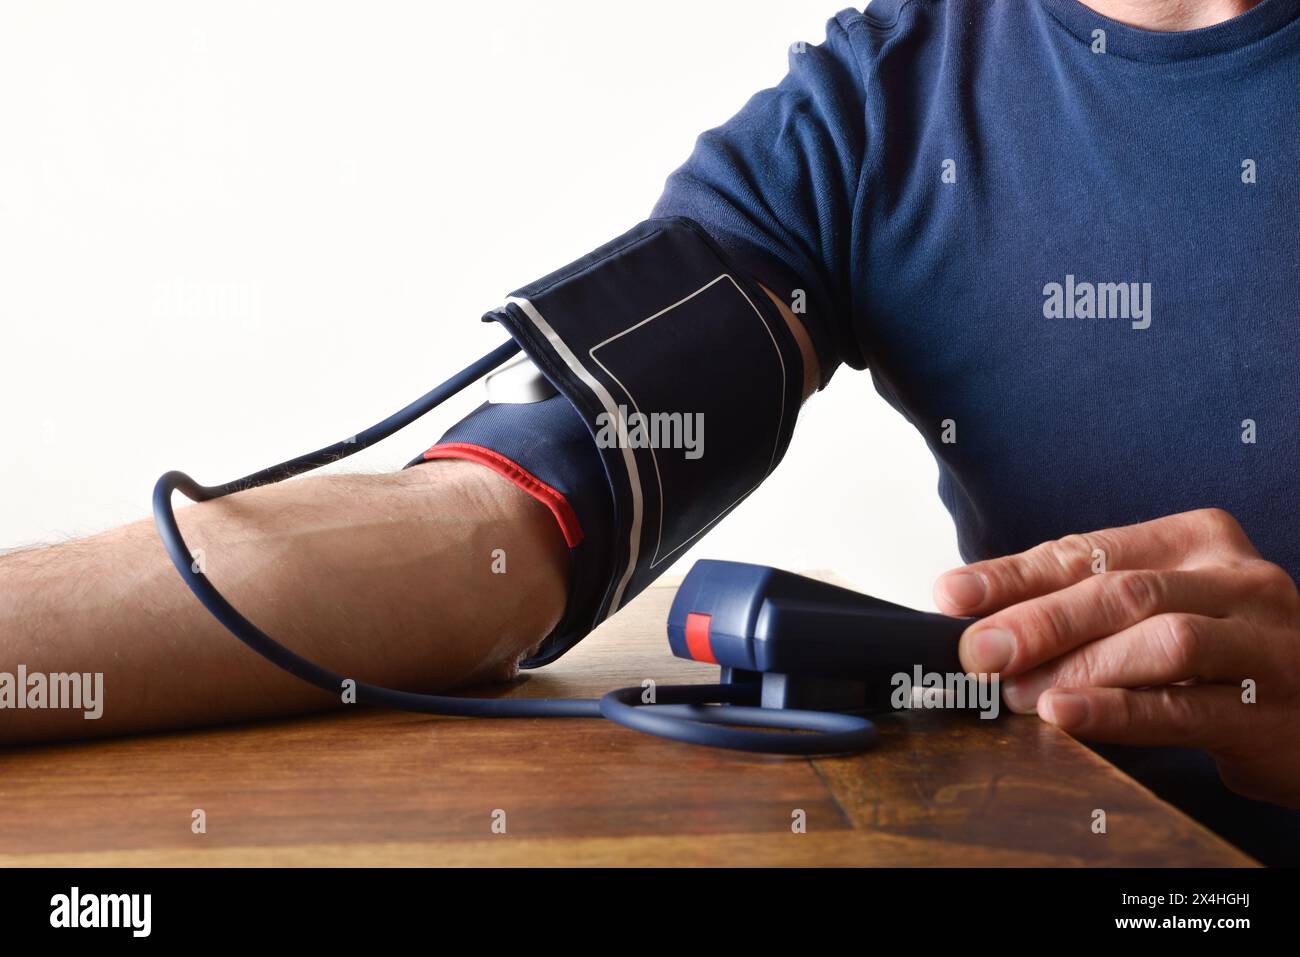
[[388, 578]]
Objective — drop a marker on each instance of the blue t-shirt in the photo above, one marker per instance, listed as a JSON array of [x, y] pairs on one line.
[[1069, 252]]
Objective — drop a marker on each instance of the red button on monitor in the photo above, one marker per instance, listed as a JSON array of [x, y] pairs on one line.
[[697, 637]]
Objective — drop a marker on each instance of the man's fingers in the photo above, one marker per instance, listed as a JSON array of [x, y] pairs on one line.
[[1202, 716], [1167, 542], [1033, 632], [1163, 650]]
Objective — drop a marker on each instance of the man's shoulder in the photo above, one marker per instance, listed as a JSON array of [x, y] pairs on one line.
[[928, 23], [899, 14]]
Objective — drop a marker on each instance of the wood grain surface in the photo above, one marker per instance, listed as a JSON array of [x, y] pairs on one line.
[[384, 788]]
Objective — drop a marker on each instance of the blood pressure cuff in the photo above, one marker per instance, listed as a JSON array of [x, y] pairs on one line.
[[678, 384]]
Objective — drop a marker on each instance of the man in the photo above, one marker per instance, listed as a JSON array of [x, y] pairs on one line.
[[1062, 237]]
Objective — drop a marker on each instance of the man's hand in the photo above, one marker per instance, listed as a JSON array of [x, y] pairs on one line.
[[1171, 632]]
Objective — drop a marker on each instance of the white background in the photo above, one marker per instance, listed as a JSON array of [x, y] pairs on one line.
[[231, 233]]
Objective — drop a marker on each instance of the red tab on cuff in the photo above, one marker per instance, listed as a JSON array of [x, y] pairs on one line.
[[530, 483]]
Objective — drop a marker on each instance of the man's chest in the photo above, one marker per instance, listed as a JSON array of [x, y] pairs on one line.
[[1081, 353]]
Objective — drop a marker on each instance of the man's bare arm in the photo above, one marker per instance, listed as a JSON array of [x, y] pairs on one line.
[[388, 578], [811, 366]]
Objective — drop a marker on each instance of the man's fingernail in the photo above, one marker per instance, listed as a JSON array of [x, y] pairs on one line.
[[1063, 709], [1021, 694], [991, 650], [963, 589]]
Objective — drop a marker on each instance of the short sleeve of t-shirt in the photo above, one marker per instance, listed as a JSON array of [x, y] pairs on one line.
[[776, 186]]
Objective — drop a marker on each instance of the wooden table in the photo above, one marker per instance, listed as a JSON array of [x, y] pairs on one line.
[[379, 788]]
